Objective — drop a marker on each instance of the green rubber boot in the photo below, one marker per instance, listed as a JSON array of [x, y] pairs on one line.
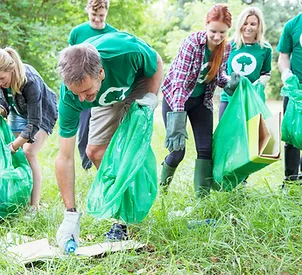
[[167, 174], [203, 177]]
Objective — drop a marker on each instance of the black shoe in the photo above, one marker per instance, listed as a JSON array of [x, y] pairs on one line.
[[118, 232]]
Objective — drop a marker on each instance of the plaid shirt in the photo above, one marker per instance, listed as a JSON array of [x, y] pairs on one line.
[[185, 69]]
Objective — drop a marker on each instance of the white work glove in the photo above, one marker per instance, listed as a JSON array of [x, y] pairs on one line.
[[149, 99], [263, 79], [69, 228], [287, 73]]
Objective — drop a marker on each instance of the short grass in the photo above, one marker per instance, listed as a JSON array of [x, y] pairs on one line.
[[258, 228]]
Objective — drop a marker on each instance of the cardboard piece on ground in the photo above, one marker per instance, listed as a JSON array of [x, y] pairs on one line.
[[34, 251], [41, 250], [101, 248]]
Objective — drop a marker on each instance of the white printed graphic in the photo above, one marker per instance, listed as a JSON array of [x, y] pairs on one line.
[[113, 95], [301, 40], [244, 63], [202, 77]]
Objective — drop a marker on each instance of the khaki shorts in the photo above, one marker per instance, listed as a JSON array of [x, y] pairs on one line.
[[105, 120]]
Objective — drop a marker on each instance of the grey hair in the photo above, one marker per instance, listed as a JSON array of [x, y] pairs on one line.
[[77, 62]]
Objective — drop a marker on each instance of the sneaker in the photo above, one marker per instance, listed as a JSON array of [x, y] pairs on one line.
[[118, 232]]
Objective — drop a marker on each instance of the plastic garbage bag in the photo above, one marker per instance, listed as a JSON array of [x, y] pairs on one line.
[[231, 137], [292, 121], [15, 174], [125, 186]]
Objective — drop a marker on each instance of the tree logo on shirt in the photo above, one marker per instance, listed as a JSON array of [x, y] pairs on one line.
[[113, 95], [244, 63]]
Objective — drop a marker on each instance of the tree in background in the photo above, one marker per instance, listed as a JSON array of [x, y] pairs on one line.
[[38, 29]]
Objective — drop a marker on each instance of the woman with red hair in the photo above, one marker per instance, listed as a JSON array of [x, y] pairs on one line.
[[188, 90]]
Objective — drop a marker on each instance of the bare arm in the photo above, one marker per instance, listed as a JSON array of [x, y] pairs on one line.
[[283, 62], [65, 171], [154, 82]]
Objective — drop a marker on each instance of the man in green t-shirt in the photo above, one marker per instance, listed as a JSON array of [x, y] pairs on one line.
[[289, 63], [97, 11], [108, 72]]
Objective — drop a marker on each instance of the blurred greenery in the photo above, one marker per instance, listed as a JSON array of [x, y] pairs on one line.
[[39, 29]]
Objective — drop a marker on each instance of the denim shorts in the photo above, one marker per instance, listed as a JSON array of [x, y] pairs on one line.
[[16, 122]]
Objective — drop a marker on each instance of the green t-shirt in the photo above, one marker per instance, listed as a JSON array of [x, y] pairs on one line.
[[125, 59], [250, 60], [84, 31], [200, 87], [291, 43]]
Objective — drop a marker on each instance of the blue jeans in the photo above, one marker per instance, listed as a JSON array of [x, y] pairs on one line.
[[201, 119]]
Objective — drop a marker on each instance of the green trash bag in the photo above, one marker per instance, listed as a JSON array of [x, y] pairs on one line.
[[230, 140], [125, 186], [15, 175], [292, 121]]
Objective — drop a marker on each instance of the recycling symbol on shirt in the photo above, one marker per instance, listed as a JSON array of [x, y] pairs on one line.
[[113, 95], [244, 63]]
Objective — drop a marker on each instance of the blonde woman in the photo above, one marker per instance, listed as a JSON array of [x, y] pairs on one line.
[[32, 111], [251, 55]]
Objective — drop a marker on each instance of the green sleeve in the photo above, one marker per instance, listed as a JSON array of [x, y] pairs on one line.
[[285, 44], [267, 64], [71, 38], [148, 59], [69, 115]]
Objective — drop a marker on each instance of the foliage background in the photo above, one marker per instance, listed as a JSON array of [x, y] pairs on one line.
[[39, 29]]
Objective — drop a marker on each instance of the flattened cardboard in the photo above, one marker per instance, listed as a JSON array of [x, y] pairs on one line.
[[34, 251], [102, 248], [40, 250]]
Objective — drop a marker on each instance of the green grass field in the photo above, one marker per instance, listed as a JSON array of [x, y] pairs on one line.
[[258, 228]]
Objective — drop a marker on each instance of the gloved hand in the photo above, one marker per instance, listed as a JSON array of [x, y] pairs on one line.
[[149, 99], [287, 73], [69, 228], [231, 86], [176, 133], [263, 79], [4, 108]]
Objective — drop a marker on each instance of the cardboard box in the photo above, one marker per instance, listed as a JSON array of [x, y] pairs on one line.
[[264, 143]]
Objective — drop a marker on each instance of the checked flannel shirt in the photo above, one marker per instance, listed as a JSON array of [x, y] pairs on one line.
[[184, 71]]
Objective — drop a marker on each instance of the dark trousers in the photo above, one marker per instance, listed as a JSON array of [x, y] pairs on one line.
[[83, 138], [291, 155], [222, 107], [201, 119]]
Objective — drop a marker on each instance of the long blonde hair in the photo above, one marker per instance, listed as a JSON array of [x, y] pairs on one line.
[[10, 61], [238, 37]]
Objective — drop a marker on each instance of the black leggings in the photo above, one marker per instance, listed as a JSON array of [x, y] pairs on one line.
[[222, 107], [201, 119]]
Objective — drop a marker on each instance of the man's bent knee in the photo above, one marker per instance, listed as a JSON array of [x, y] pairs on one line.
[[96, 152]]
